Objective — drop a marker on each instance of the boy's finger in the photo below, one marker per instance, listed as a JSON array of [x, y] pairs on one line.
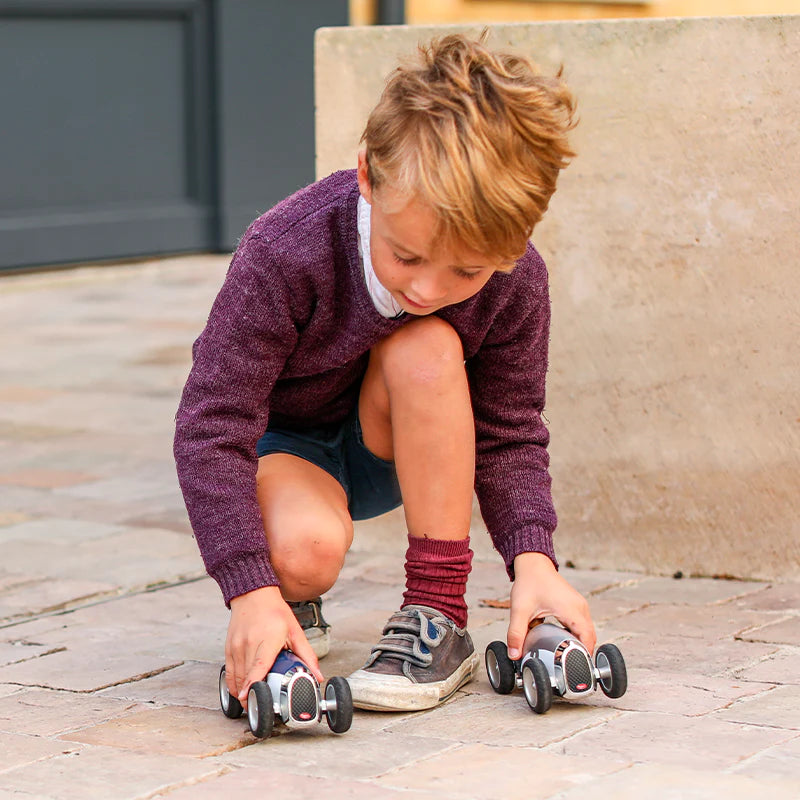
[[230, 677], [302, 649]]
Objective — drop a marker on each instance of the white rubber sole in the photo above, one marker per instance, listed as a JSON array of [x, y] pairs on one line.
[[319, 640], [373, 692]]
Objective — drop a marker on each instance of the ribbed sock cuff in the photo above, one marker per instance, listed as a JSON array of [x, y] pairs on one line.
[[436, 575]]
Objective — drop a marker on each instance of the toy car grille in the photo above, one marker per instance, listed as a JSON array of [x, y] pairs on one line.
[[303, 700], [578, 672]]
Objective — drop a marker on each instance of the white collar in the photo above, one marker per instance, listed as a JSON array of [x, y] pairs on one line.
[[386, 305]]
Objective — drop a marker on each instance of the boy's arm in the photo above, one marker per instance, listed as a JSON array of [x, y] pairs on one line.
[[512, 479], [223, 411]]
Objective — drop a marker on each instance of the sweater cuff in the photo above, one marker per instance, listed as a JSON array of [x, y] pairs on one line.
[[243, 574], [530, 540]]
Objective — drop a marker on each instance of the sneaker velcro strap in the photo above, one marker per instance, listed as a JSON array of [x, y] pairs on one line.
[[309, 614]]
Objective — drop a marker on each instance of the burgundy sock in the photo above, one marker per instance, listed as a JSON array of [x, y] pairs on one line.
[[436, 575]]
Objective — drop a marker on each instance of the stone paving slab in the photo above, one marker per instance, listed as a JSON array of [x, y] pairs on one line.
[[264, 782], [102, 772], [470, 771], [781, 761], [695, 742], [44, 713], [677, 783], [172, 730]]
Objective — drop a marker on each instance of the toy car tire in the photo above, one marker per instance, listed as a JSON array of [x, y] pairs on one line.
[[537, 686], [231, 707], [500, 668], [339, 718], [609, 660], [260, 711]]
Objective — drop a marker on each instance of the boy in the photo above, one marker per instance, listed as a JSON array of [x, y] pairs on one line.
[[381, 337]]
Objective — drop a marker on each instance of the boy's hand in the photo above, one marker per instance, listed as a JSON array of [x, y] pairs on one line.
[[262, 624], [539, 591]]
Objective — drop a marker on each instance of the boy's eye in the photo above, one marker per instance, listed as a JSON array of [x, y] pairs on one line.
[[401, 260], [462, 273]]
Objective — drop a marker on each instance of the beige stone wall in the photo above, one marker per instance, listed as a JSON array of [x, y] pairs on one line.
[[672, 243]]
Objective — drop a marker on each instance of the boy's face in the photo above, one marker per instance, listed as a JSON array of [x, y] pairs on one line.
[[421, 275]]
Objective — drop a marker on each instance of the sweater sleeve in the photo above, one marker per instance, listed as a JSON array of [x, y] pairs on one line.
[[224, 410], [507, 379]]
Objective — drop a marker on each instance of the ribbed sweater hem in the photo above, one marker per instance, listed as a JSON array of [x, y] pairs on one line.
[[530, 540], [244, 574]]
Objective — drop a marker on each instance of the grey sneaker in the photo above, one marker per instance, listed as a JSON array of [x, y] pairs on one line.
[[421, 661], [309, 614]]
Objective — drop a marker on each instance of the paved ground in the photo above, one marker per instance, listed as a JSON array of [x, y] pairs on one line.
[[111, 637]]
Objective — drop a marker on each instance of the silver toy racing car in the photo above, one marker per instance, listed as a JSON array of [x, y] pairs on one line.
[[291, 694], [555, 662]]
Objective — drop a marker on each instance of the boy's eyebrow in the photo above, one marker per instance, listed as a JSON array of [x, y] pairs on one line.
[[398, 246]]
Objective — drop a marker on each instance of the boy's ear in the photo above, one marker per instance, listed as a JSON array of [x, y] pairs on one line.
[[363, 176]]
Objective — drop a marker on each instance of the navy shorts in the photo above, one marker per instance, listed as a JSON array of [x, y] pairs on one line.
[[369, 482]]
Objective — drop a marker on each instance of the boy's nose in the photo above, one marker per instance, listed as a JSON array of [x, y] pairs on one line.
[[429, 290]]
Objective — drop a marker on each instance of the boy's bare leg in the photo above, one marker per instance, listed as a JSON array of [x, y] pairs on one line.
[[307, 524], [309, 530], [415, 409]]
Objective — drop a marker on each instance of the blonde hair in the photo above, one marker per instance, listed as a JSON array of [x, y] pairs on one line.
[[477, 135]]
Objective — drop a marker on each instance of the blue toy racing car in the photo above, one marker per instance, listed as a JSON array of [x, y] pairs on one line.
[[291, 694]]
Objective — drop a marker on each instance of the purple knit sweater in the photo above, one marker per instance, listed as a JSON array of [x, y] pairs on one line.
[[287, 341]]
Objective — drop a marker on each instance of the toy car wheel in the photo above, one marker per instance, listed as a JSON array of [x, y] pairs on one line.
[[260, 712], [613, 674], [537, 686], [500, 668], [339, 713], [231, 707]]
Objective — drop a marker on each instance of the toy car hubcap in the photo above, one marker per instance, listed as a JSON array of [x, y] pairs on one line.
[[252, 710], [604, 668], [529, 685], [492, 668], [224, 694]]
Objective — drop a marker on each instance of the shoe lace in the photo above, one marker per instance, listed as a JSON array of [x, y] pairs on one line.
[[409, 636]]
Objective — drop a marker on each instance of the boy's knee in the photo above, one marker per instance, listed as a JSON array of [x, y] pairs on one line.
[[422, 352], [308, 560]]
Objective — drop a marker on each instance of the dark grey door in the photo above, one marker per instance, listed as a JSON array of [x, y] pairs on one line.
[[132, 127]]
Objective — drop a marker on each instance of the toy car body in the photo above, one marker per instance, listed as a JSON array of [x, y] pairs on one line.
[[554, 662], [291, 694]]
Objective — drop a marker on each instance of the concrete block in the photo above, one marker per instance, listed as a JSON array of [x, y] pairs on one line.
[[673, 416]]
